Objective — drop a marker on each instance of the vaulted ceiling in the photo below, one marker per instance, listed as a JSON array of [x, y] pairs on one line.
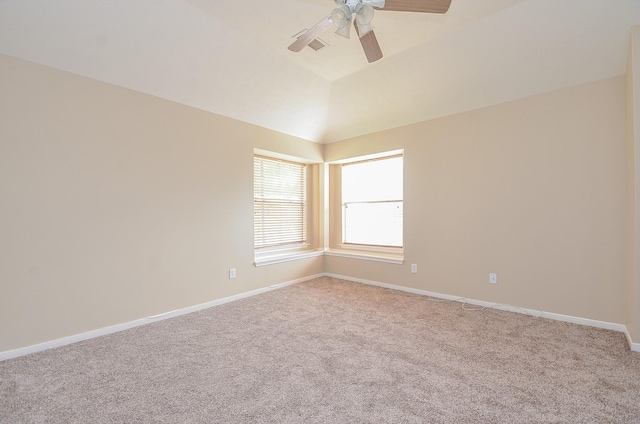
[[230, 57]]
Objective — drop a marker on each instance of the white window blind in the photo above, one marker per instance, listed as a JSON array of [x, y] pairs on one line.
[[279, 202], [372, 202]]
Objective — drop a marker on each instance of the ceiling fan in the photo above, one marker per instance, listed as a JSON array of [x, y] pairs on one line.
[[361, 13]]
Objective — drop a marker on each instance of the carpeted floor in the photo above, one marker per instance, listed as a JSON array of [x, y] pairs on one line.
[[331, 351]]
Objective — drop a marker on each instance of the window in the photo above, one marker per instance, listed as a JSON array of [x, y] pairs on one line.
[[279, 203], [372, 202]]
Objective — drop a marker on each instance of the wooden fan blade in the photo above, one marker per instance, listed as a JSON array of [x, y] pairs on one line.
[[423, 6], [312, 34], [369, 45]]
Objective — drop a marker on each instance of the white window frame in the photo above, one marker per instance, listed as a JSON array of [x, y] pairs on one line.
[[387, 254], [303, 248]]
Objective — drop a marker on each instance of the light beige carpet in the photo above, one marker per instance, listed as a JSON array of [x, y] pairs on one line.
[[330, 351]]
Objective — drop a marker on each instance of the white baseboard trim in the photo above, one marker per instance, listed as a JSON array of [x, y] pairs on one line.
[[541, 314], [131, 324], [634, 346]]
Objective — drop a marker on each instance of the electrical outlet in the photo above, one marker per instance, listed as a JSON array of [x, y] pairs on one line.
[[232, 273], [414, 268], [493, 278]]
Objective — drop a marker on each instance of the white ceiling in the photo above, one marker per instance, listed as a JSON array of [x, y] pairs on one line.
[[230, 57]]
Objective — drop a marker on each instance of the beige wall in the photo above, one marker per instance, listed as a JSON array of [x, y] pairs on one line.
[[116, 205], [633, 139], [534, 190]]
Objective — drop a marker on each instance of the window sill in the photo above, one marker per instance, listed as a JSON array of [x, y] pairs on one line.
[[377, 256], [372, 254], [276, 258]]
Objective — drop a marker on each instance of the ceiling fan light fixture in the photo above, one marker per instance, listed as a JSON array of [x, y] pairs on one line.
[[345, 31], [341, 18], [364, 16]]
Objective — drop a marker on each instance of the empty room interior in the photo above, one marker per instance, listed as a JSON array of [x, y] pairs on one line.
[[136, 139]]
